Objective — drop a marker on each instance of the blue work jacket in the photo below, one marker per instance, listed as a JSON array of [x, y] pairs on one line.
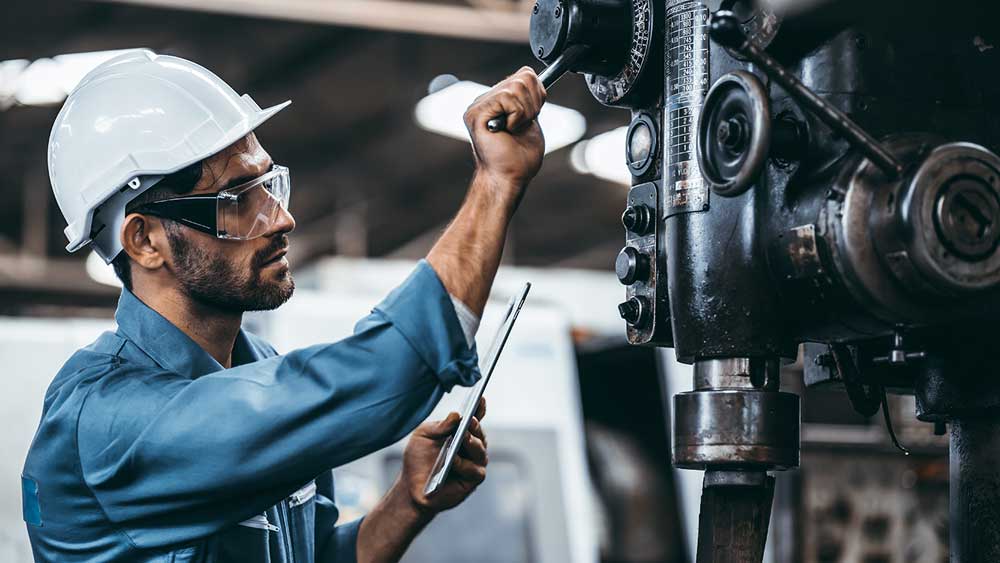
[[148, 450]]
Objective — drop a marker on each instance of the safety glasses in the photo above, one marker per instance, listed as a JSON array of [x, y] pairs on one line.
[[242, 212]]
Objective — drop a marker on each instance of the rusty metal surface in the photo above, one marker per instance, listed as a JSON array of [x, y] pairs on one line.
[[736, 428]]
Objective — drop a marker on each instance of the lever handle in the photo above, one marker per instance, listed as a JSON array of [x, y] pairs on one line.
[[725, 29], [549, 76]]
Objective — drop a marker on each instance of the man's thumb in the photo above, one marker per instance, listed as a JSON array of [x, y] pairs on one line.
[[444, 428]]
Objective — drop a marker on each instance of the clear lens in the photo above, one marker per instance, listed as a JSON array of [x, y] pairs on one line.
[[250, 210]]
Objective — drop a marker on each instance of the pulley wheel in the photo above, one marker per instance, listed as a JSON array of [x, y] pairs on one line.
[[734, 133]]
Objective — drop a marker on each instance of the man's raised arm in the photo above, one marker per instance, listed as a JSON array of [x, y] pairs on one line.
[[465, 258], [467, 255]]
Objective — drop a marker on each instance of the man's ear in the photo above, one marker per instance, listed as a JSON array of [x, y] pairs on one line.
[[145, 241]]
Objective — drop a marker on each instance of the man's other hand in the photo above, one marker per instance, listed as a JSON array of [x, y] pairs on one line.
[[467, 472], [509, 159]]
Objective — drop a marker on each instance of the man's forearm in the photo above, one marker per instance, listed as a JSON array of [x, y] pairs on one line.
[[467, 255], [389, 528]]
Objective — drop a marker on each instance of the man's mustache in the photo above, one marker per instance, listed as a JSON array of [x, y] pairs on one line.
[[278, 244]]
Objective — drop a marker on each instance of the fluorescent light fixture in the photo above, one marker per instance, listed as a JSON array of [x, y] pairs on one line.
[[10, 72], [603, 156], [442, 111], [101, 272], [46, 81]]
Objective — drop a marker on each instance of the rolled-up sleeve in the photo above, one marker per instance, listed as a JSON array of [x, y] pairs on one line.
[[172, 459], [422, 318]]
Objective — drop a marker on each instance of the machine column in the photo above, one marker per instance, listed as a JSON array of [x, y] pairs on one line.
[[975, 489]]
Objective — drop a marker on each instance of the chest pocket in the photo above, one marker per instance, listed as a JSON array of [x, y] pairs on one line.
[[301, 511]]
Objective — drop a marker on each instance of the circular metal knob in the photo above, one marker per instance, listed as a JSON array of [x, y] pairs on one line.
[[634, 311], [631, 266], [950, 215], [549, 28], [734, 133], [638, 219]]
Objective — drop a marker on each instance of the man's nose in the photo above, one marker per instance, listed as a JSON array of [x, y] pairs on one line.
[[284, 222]]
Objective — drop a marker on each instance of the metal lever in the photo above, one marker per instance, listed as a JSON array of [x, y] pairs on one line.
[[726, 30], [549, 76]]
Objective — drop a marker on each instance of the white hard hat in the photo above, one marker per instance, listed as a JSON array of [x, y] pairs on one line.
[[131, 121]]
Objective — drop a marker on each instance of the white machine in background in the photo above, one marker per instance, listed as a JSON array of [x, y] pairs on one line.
[[536, 504]]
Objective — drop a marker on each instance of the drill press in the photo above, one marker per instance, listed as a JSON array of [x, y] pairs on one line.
[[818, 173]]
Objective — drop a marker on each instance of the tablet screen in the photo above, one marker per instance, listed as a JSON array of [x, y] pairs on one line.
[[447, 455]]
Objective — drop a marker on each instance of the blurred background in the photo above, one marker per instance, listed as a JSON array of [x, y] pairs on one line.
[[578, 431]]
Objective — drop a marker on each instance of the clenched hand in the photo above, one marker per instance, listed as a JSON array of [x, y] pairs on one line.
[[509, 159]]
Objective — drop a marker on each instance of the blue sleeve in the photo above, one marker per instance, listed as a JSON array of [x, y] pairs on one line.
[[172, 459]]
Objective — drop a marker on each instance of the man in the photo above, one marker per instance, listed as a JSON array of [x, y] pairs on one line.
[[180, 437]]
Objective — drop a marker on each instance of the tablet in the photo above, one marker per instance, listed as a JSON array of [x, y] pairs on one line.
[[450, 449]]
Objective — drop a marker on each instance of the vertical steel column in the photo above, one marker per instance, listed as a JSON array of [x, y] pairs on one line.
[[975, 489]]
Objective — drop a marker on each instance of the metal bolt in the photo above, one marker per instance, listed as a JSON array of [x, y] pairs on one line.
[[940, 428], [723, 132], [732, 133], [541, 51]]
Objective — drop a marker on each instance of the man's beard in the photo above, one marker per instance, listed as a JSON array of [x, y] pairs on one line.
[[211, 279]]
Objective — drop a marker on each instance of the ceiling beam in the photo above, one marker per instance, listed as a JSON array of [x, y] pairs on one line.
[[27, 281], [389, 15]]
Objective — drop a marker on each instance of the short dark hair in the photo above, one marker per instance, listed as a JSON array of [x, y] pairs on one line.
[[179, 183]]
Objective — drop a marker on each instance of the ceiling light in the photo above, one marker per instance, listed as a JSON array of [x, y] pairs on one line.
[[101, 272], [603, 156], [46, 81], [442, 112]]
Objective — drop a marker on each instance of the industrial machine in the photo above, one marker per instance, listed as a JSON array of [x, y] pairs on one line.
[[820, 172]]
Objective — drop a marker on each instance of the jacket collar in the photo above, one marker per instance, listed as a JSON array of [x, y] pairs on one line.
[[167, 345]]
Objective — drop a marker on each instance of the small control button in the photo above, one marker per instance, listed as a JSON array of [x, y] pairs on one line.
[[631, 265], [634, 311], [638, 219]]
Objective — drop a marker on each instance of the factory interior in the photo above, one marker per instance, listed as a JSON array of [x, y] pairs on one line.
[[763, 250]]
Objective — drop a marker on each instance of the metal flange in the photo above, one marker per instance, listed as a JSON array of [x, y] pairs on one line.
[[736, 429]]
